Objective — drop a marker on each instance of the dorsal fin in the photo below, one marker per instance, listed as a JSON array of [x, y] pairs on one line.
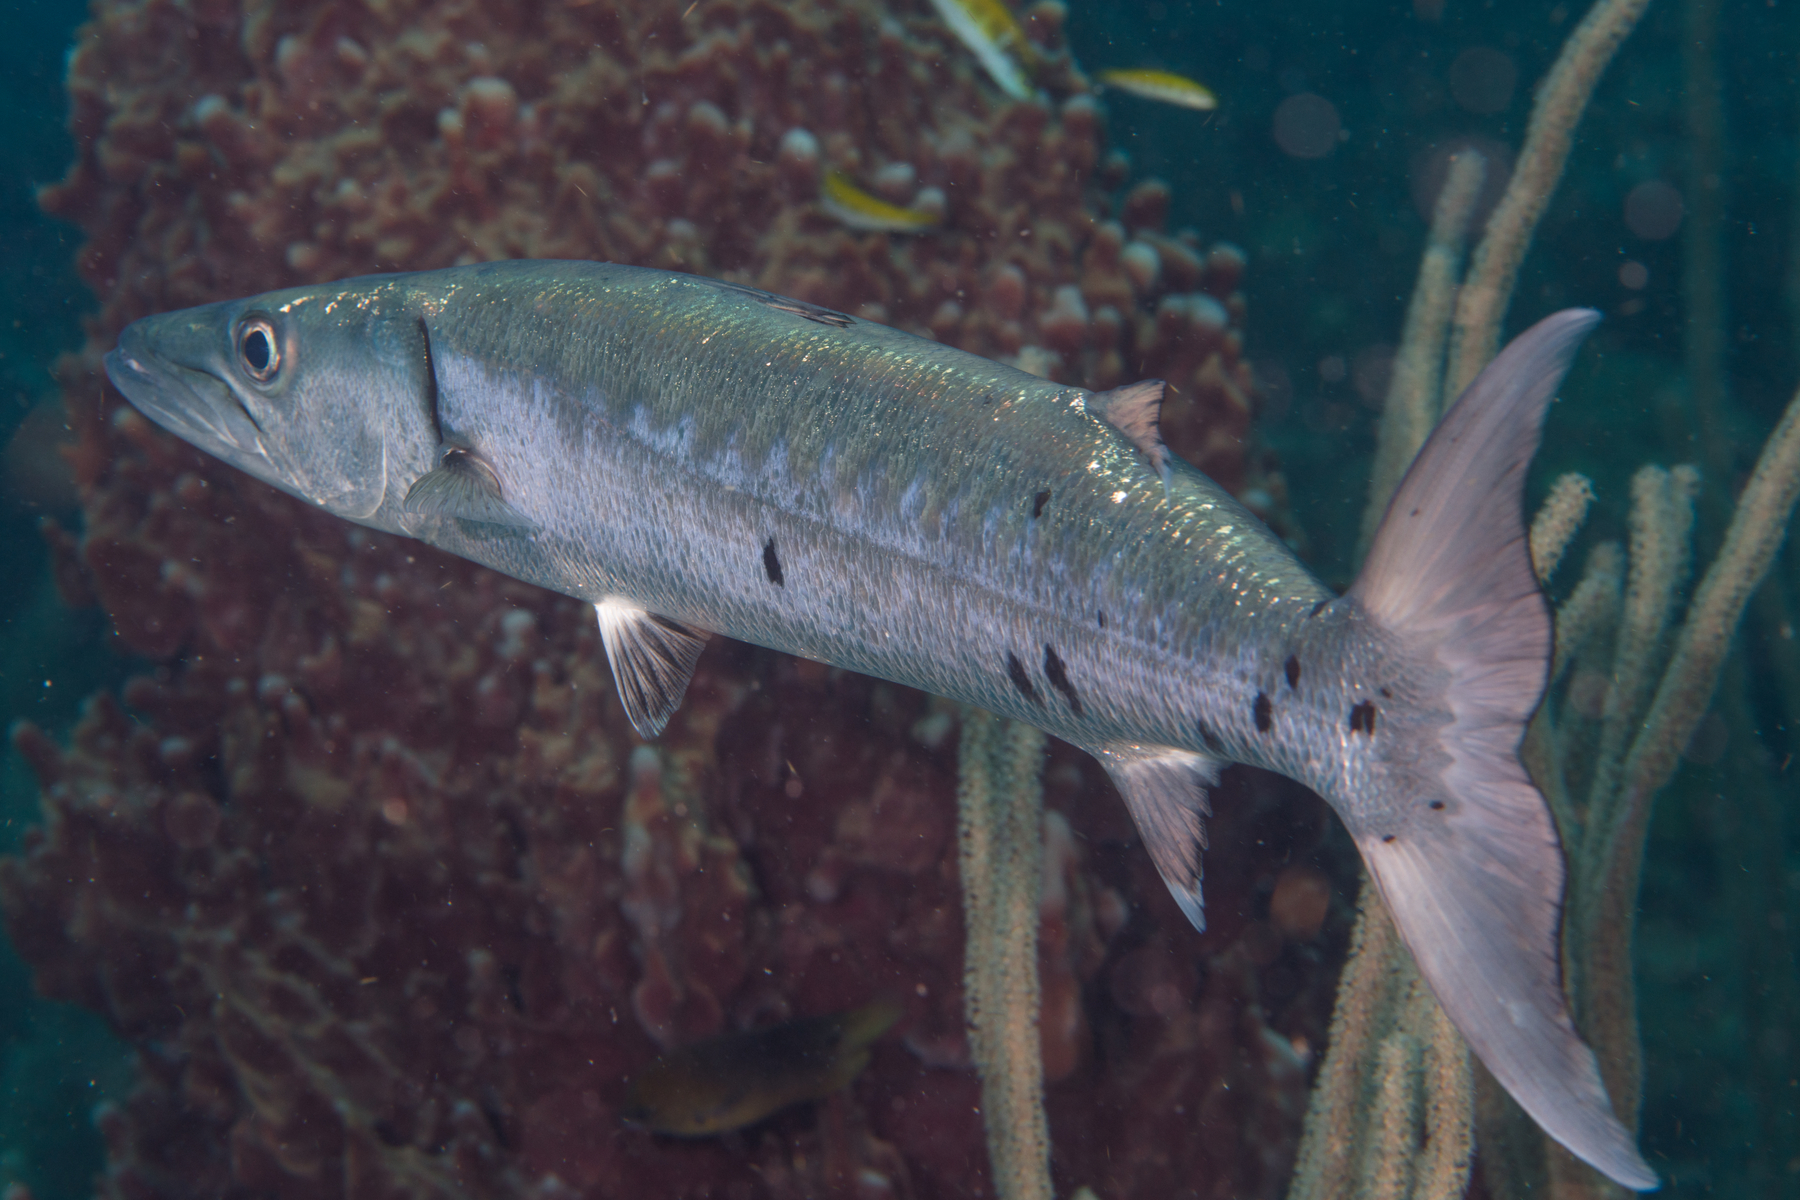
[[652, 660], [786, 304], [463, 485], [1135, 410]]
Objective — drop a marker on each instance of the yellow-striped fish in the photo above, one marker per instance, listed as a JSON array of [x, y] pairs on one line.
[[859, 210], [1165, 86], [989, 28]]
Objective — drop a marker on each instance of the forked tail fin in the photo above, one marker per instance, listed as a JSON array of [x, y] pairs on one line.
[[1475, 883]]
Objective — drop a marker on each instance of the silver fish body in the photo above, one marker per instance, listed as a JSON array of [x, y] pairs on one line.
[[695, 457]]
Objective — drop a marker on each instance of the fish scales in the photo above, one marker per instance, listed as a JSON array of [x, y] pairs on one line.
[[680, 427], [697, 457]]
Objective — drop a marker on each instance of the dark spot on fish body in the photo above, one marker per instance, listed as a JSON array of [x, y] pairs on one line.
[[1262, 710], [1015, 670], [1211, 740], [1037, 506], [1386, 838], [1386, 695], [1318, 608], [1102, 618], [1362, 718], [1059, 678], [1292, 669], [772, 564], [1437, 806]]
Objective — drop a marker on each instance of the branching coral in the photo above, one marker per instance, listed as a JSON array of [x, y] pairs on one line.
[[1415, 395], [1000, 865], [1561, 99], [1392, 1111], [1658, 720]]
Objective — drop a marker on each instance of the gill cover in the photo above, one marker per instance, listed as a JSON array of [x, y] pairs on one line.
[[282, 387]]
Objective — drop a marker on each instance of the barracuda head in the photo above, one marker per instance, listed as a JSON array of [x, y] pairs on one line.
[[322, 392]]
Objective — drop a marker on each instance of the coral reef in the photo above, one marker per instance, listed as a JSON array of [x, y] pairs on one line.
[[370, 868]]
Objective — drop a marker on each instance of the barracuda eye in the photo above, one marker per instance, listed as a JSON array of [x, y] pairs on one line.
[[258, 349]]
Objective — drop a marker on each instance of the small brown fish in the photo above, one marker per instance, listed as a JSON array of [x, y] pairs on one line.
[[737, 1079]]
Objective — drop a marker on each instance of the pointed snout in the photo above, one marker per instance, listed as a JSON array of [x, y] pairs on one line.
[[170, 368]]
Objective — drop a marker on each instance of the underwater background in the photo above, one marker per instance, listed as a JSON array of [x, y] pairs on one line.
[[259, 978]]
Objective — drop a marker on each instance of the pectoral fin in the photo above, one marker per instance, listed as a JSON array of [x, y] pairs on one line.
[[1165, 789], [463, 485], [652, 659]]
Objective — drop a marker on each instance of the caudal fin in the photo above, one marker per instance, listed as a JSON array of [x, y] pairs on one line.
[[1475, 881]]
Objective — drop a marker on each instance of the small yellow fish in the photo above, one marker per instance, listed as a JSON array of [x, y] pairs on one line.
[[1165, 86], [737, 1079], [989, 28], [859, 210]]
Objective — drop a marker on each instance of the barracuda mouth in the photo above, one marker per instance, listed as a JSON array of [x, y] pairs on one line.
[[193, 404]]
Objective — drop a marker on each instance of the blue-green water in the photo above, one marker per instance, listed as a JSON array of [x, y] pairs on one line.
[[1333, 245], [56, 1061]]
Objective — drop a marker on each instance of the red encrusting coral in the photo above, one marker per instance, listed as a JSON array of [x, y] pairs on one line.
[[370, 868]]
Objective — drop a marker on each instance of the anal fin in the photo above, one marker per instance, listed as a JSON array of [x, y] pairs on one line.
[[652, 658], [1165, 789]]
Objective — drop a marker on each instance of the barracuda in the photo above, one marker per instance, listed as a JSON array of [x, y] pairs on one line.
[[694, 457]]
